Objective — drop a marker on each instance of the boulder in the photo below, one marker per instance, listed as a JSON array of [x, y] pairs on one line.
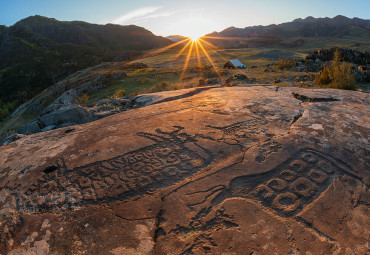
[[70, 113], [10, 138], [202, 82], [48, 128], [241, 77], [30, 127], [67, 124], [213, 81], [348, 55], [147, 99], [65, 109], [118, 75], [67, 98]]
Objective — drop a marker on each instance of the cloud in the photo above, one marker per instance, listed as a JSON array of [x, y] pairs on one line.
[[157, 15], [138, 14]]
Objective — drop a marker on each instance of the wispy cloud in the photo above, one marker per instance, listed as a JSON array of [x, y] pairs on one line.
[[157, 15], [138, 14]]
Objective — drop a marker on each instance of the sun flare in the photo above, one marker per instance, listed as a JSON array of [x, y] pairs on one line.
[[192, 48], [194, 38]]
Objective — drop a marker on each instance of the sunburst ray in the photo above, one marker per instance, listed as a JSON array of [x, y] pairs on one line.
[[211, 61], [187, 61], [183, 49], [158, 51]]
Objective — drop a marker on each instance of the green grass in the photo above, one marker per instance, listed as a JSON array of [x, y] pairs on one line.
[[16, 122], [138, 82], [220, 56]]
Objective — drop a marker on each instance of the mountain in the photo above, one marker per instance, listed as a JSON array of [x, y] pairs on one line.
[[275, 35], [110, 36], [176, 38], [37, 52]]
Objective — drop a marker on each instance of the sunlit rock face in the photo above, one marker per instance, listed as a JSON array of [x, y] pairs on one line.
[[238, 170]]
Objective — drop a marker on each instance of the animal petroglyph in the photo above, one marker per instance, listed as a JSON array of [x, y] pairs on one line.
[[242, 129], [290, 187], [286, 190], [235, 133], [174, 156]]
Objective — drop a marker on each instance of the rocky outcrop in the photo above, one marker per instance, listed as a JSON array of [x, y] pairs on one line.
[[317, 60], [347, 55], [65, 109], [240, 170], [87, 81]]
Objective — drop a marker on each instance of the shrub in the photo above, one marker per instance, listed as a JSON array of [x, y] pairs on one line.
[[6, 108], [324, 77], [339, 75], [119, 93], [135, 93], [285, 63], [160, 87], [83, 98]]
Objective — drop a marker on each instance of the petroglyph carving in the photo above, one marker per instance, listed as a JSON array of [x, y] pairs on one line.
[[174, 156], [242, 129], [286, 190], [290, 187], [266, 148]]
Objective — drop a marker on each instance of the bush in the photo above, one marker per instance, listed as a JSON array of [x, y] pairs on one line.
[[83, 98], [285, 63], [160, 87], [339, 75], [6, 108], [119, 93], [324, 77]]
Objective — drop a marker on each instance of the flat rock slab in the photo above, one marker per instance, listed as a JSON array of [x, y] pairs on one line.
[[240, 170]]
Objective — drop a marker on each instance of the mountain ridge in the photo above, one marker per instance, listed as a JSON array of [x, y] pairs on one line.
[[337, 27], [37, 52]]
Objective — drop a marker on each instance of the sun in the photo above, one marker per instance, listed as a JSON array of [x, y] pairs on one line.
[[194, 38]]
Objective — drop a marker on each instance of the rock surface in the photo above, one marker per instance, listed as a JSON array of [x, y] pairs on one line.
[[65, 109], [237, 170]]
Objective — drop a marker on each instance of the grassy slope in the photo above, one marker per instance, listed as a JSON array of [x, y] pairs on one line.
[[170, 69], [220, 56]]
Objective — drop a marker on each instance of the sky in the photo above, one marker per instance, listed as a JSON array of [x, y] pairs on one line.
[[187, 17]]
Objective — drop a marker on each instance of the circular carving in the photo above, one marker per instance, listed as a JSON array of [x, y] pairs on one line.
[[144, 181], [84, 182], [309, 157], [287, 202], [147, 169], [277, 184], [288, 175], [298, 165], [162, 152], [325, 166], [317, 176], [171, 171], [172, 159], [187, 165], [196, 162], [130, 173], [304, 187], [264, 191]]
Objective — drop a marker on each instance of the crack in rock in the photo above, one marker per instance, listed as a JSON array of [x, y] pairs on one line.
[[313, 99]]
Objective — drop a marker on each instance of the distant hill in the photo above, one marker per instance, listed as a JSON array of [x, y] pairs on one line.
[[176, 38], [37, 51], [277, 35]]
